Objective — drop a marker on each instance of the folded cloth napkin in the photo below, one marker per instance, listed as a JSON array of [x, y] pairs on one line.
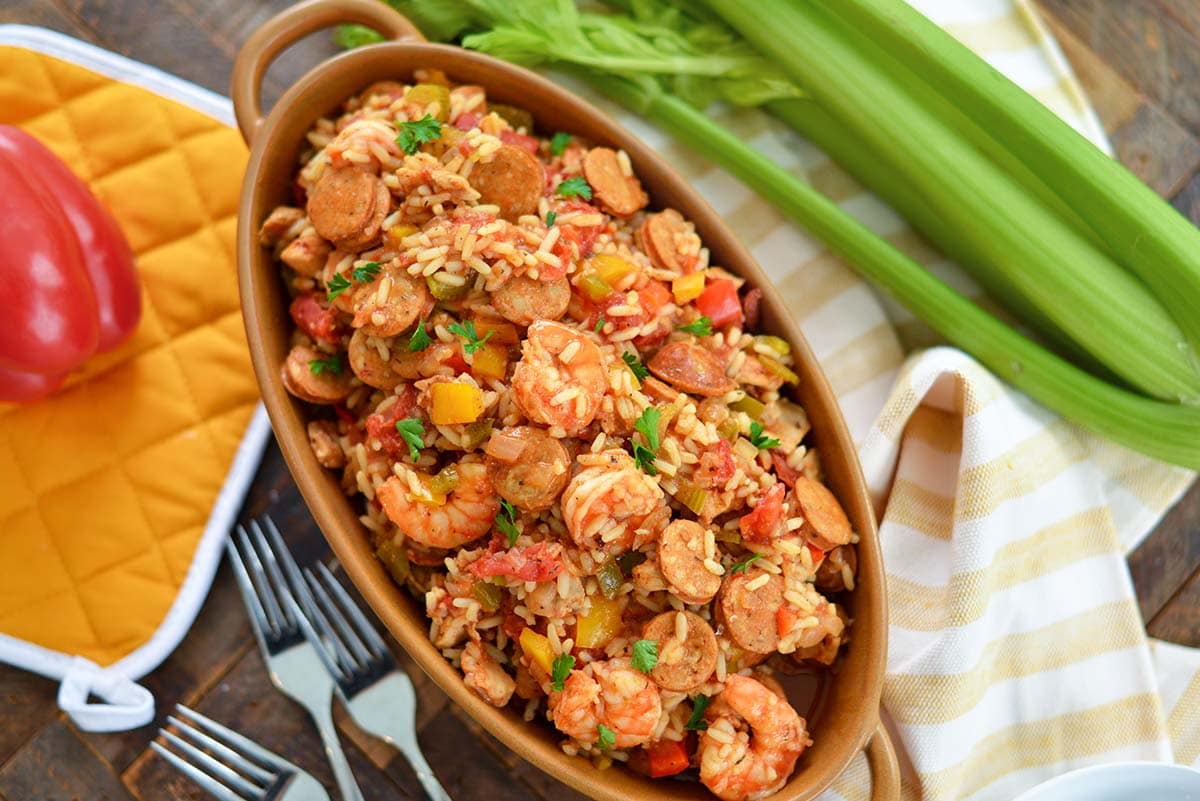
[[1016, 650]]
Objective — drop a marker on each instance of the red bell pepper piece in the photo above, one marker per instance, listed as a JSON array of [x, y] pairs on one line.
[[666, 758], [759, 524], [719, 303]]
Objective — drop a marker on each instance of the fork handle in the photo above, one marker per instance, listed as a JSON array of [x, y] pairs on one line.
[[425, 775], [347, 786]]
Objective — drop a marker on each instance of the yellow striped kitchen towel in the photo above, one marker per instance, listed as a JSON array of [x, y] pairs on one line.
[[1016, 649]]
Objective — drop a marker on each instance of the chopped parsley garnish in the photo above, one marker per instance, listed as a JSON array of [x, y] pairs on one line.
[[420, 339], [337, 285], [760, 440], [559, 142], [644, 455], [577, 186], [645, 655], [471, 340], [331, 365], [697, 722], [412, 431], [606, 738], [506, 521], [412, 134], [744, 565], [560, 670], [600, 321], [701, 327], [551, 216], [639, 370], [367, 272]]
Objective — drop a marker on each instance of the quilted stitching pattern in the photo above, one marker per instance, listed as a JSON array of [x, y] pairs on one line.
[[106, 487]]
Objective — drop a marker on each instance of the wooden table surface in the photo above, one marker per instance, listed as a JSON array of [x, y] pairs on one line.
[[1138, 59]]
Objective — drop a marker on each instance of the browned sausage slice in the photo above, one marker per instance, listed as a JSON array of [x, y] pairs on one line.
[[390, 304], [524, 300], [512, 180], [681, 556], [670, 241], [747, 605], [369, 364], [616, 192], [528, 467], [830, 573], [691, 368], [325, 386], [682, 664], [347, 206], [825, 523]]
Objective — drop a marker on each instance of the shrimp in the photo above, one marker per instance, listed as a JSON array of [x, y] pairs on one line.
[[612, 694], [613, 506], [741, 765], [560, 379], [467, 514], [484, 675]]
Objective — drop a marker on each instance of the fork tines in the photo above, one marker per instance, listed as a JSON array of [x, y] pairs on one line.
[[360, 651], [230, 768]]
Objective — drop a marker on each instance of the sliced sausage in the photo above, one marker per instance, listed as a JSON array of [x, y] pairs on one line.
[[524, 300], [306, 254], [825, 523], [830, 575], [659, 391], [691, 368], [681, 557], [369, 364], [670, 241], [512, 180], [324, 386], [347, 206], [749, 614], [278, 223], [616, 192], [682, 664], [323, 438], [534, 478], [391, 303]]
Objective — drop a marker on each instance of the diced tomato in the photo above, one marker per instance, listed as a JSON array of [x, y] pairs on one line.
[[751, 307], [816, 553], [314, 319], [785, 618], [513, 625], [716, 465], [382, 425], [538, 562], [457, 362], [653, 296], [666, 758], [783, 471], [760, 523], [467, 121], [582, 237], [520, 140], [719, 303]]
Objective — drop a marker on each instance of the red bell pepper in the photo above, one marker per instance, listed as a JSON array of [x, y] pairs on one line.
[[719, 303], [67, 278], [666, 758]]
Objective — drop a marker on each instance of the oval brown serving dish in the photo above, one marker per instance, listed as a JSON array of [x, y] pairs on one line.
[[845, 717]]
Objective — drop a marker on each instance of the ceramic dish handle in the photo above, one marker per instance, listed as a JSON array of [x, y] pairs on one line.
[[885, 768], [289, 26]]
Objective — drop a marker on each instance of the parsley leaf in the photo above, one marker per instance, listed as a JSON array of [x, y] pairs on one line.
[[506, 521], [551, 216], [412, 431], [701, 327], [647, 426], [600, 321], [331, 365], [744, 565], [412, 134], [605, 737], [760, 440], [471, 340], [577, 186], [560, 670], [645, 655], [639, 370], [697, 722], [420, 339], [559, 142], [337, 285], [367, 272]]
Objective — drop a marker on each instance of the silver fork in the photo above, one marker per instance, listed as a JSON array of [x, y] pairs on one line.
[[233, 767], [378, 695], [286, 638]]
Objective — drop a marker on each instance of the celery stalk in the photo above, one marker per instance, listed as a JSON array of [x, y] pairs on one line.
[[1090, 298], [1146, 233]]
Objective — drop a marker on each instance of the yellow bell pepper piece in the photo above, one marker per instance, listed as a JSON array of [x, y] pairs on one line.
[[397, 233], [490, 361], [537, 649], [612, 269], [502, 333], [599, 625], [687, 288], [595, 287], [455, 402]]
